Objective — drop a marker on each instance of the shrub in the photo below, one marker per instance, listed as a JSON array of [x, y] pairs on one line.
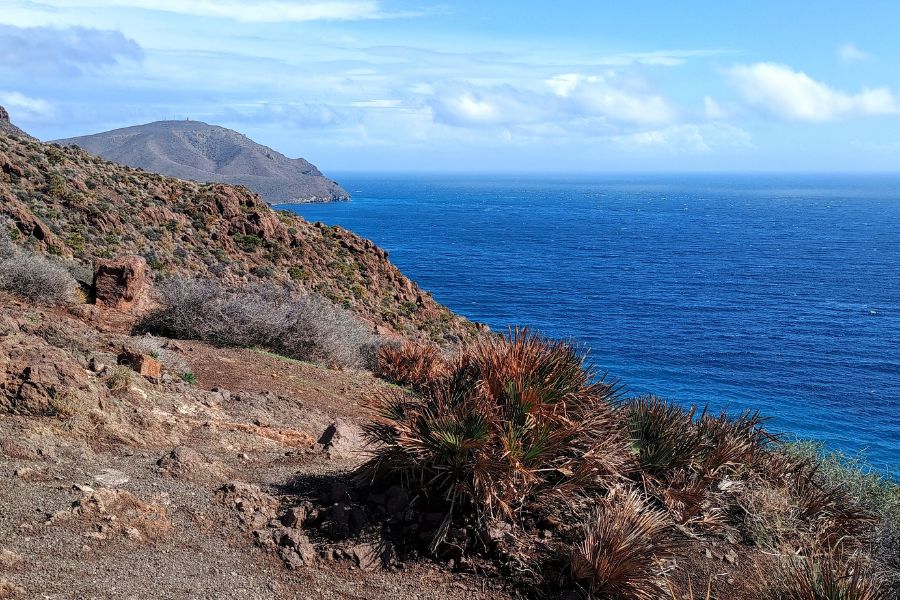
[[619, 555], [410, 364], [662, 436], [516, 421], [305, 327], [836, 519], [118, 378], [827, 578], [37, 279], [188, 377]]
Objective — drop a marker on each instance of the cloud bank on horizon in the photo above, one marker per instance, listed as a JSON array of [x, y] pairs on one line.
[[416, 85]]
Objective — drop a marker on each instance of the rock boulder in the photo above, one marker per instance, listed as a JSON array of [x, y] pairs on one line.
[[121, 283]]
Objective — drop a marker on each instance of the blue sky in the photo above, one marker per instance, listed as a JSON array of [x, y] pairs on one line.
[[487, 86]]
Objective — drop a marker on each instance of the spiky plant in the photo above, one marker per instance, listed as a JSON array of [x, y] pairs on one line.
[[730, 444], [515, 420], [410, 364], [836, 519], [624, 542], [827, 577], [663, 436]]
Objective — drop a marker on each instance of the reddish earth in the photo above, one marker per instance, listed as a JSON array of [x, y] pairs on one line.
[[118, 494]]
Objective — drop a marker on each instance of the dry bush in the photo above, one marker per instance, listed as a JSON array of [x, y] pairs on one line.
[[37, 279], [624, 542], [305, 327], [835, 519], [827, 577], [515, 421], [118, 378], [410, 364]]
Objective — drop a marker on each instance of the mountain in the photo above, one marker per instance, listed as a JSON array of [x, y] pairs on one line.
[[66, 202], [210, 154], [7, 127]]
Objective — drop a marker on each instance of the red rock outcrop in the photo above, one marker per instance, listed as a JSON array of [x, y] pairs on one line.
[[121, 284]]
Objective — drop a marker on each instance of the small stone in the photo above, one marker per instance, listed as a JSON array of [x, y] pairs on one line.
[[294, 517], [111, 478]]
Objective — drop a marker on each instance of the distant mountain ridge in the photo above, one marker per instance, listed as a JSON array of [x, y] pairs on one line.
[[211, 154]]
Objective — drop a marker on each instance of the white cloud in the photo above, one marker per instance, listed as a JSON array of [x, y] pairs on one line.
[[263, 11], [24, 107], [381, 103], [69, 50], [503, 105], [795, 96], [596, 96], [850, 53], [714, 110], [686, 138], [564, 85]]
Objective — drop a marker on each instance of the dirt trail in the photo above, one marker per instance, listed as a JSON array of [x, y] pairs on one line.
[[124, 500]]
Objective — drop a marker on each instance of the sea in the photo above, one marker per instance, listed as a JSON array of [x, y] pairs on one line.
[[772, 292]]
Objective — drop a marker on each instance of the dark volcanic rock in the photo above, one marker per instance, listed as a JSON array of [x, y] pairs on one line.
[[211, 154]]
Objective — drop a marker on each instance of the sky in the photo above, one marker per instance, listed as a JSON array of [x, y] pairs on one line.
[[505, 86]]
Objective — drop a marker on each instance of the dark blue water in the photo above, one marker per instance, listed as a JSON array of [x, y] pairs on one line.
[[773, 292]]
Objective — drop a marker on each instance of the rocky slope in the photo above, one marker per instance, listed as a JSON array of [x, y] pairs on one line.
[[208, 153], [67, 202], [7, 127], [115, 485]]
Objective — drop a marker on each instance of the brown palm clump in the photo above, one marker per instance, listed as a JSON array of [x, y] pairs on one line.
[[827, 577], [623, 544], [410, 364], [514, 421]]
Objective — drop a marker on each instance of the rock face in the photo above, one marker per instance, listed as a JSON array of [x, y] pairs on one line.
[[121, 283], [40, 380], [7, 127], [207, 153]]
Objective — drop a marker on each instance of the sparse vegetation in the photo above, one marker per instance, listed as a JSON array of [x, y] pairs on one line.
[[118, 378], [827, 577], [34, 277], [622, 546], [188, 377], [276, 318]]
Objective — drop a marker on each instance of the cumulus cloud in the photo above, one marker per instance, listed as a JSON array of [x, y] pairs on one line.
[[24, 107], [606, 97], [795, 96], [571, 97], [261, 11], [686, 138], [850, 53], [501, 105], [69, 50]]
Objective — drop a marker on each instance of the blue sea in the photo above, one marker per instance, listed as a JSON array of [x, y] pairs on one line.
[[773, 292]]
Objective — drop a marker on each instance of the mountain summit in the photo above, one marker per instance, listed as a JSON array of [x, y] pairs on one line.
[[208, 153], [7, 127]]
